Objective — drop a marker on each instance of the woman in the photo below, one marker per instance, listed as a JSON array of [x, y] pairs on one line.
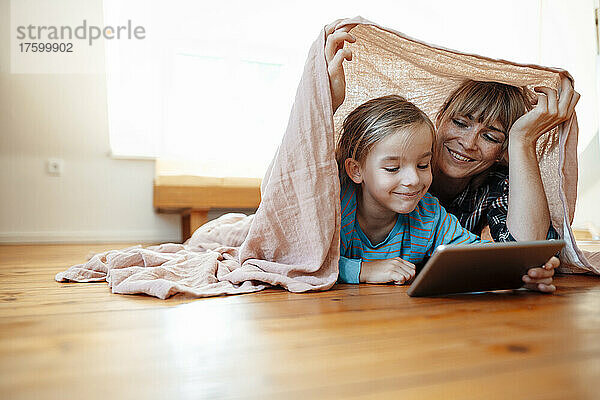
[[473, 127]]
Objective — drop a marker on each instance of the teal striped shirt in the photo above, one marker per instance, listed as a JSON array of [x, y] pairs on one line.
[[414, 237]]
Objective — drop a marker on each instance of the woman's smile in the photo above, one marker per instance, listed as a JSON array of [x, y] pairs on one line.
[[459, 156], [465, 150]]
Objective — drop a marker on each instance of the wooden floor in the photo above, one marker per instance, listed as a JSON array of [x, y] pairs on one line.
[[79, 341]]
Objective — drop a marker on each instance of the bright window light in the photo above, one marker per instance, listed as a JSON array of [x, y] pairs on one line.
[[209, 91]]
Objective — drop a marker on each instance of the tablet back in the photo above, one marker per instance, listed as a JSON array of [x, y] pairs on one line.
[[481, 267]]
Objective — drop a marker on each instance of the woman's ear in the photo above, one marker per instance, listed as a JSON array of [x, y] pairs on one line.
[[503, 157], [352, 168]]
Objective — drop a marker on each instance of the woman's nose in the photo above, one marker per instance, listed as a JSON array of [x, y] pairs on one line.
[[469, 139]]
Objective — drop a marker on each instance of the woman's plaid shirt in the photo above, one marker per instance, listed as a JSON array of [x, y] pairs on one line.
[[487, 204]]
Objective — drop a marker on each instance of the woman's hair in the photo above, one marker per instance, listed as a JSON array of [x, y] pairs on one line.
[[487, 102], [371, 122]]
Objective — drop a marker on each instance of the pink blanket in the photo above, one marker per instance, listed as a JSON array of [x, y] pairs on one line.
[[293, 239]]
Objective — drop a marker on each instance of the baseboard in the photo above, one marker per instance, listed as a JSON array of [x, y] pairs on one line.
[[88, 237]]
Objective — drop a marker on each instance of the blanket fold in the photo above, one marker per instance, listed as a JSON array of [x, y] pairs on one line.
[[293, 239]]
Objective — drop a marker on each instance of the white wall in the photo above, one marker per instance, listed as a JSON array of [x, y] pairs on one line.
[[65, 116], [587, 212]]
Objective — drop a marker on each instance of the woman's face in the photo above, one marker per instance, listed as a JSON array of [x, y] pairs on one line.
[[466, 147]]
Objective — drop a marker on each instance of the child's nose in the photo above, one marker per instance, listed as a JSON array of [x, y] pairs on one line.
[[410, 177]]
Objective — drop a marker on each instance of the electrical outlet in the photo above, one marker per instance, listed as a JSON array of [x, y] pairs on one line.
[[54, 166]]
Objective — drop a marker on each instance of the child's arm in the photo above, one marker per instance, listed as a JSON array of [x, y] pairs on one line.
[[395, 270], [349, 270], [449, 231]]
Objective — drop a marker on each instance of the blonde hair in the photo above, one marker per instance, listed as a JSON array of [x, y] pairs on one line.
[[487, 102], [371, 122]]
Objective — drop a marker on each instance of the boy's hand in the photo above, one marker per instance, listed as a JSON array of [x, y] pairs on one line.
[[335, 54], [394, 270], [540, 278]]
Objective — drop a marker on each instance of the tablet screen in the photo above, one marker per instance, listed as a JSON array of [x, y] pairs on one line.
[[481, 267]]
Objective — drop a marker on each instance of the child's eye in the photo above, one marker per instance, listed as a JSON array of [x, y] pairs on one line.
[[423, 166], [395, 169], [459, 123]]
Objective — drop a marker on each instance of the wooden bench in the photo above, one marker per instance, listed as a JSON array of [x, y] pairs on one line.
[[193, 196]]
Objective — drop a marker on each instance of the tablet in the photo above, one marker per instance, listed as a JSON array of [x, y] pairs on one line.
[[481, 267]]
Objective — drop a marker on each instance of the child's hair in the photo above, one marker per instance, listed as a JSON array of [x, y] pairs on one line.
[[371, 122], [487, 102]]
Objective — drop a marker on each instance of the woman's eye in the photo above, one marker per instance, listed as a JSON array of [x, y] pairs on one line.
[[491, 138], [423, 166], [459, 123], [391, 169]]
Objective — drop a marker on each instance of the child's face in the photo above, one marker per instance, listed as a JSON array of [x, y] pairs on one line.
[[397, 171]]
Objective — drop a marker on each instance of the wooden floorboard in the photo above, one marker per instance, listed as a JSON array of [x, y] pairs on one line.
[[79, 341]]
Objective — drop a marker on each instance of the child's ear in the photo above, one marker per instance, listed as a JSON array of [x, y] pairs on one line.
[[353, 170]]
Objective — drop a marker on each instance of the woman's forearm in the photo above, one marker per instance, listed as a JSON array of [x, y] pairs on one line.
[[528, 216]]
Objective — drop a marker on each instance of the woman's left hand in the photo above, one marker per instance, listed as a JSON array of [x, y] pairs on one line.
[[551, 109], [540, 278]]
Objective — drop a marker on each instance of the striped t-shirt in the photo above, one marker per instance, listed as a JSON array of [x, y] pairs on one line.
[[414, 237]]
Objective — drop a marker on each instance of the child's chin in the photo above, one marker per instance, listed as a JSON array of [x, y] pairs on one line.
[[406, 208]]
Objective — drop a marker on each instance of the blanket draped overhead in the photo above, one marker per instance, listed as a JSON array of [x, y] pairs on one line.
[[293, 239]]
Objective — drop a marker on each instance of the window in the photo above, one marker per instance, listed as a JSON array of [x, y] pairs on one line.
[[209, 91]]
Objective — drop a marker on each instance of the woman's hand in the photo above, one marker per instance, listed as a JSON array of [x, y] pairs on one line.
[[335, 54], [394, 270], [540, 278], [550, 110]]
